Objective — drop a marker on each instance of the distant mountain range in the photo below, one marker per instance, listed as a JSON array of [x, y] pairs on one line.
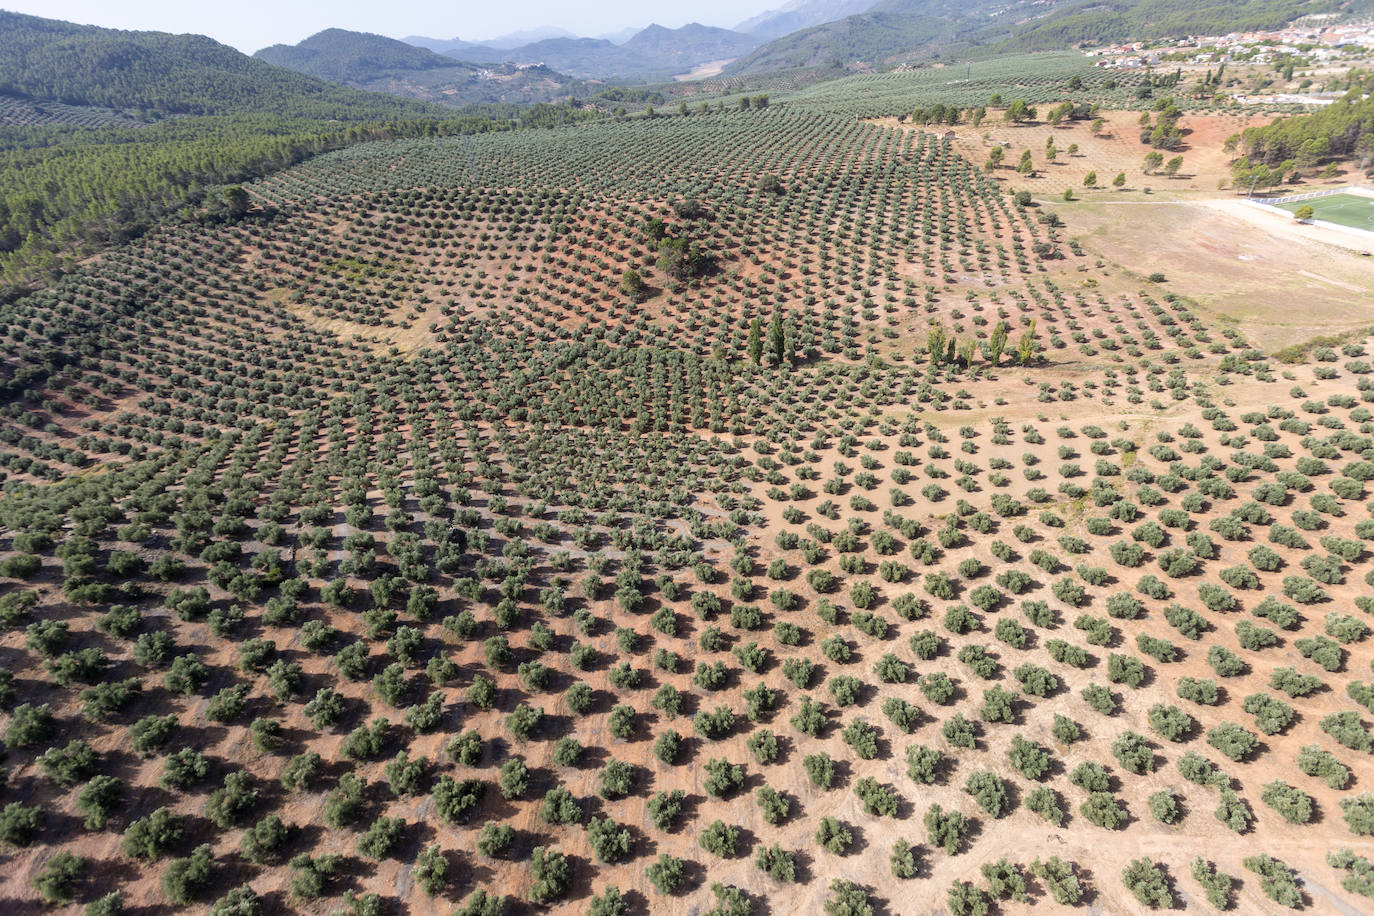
[[890, 31], [801, 14], [501, 42], [381, 64], [651, 54]]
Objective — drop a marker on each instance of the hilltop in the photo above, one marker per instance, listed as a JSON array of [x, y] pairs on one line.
[[381, 64]]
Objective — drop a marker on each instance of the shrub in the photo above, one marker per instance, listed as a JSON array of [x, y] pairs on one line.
[[1359, 877], [722, 777], [730, 901], [1102, 809], [1060, 879], [1187, 621], [862, 739], [559, 807], [720, 839], [1029, 759], [310, 875], [1065, 730], [29, 725], [977, 658], [1146, 881], [231, 803], [937, 687], [773, 803], [1272, 715], [454, 799], [609, 903], [1203, 691], [988, 791], [923, 763], [56, 882], [776, 862], [184, 879], [998, 705], [1044, 801], [1163, 806], [1035, 680], [1160, 650], [262, 841], [1314, 761], [847, 899], [1099, 698], [515, 778], [1225, 662], [1294, 804], [149, 838], [1067, 653], [945, 829], [1125, 669], [381, 838], [1348, 729], [1170, 722], [366, 742], [1233, 740], [902, 860], [608, 840], [845, 689], [523, 720], [1276, 879], [551, 875], [664, 807], [963, 899], [1359, 813], [1294, 684], [494, 839], [1233, 811], [1216, 884], [666, 874]]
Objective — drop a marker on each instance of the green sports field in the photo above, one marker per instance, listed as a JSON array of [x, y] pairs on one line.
[[1345, 209]]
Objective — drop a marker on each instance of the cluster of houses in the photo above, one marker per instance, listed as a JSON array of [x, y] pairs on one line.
[[1317, 42]]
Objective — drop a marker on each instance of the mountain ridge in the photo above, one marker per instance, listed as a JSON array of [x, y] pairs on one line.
[[896, 30], [652, 53], [380, 64], [801, 14]]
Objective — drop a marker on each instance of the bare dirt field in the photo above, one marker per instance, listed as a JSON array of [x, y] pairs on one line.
[[1286, 283]]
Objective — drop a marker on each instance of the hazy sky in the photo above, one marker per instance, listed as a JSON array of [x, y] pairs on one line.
[[252, 24]]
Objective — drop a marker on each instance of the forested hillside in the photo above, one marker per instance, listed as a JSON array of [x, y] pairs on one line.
[[222, 117], [343, 56], [891, 27], [1096, 22], [916, 28], [1343, 129], [164, 74]]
